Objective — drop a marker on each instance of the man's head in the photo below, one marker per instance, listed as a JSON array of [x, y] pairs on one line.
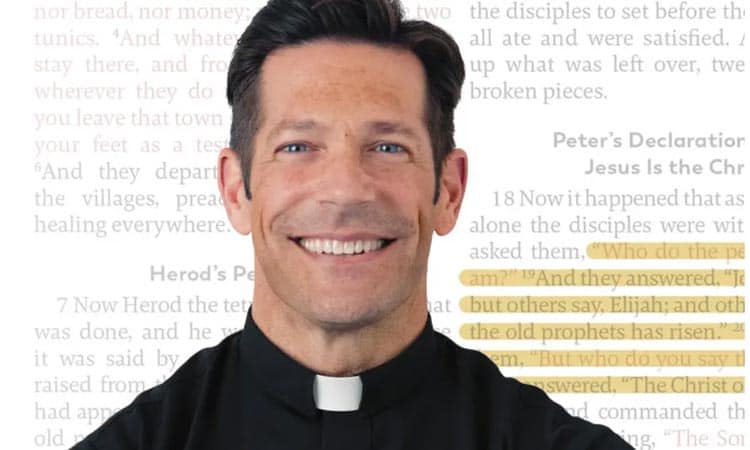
[[284, 23], [343, 132]]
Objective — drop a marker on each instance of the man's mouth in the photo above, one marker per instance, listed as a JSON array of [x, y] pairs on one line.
[[341, 248]]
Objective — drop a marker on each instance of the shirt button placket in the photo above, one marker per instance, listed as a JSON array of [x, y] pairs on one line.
[[346, 431]]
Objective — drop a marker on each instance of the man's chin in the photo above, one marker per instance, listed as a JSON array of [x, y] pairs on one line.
[[346, 320]]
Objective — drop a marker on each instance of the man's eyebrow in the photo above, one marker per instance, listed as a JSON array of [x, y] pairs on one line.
[[372, 127], [294, 125], [386, 127]]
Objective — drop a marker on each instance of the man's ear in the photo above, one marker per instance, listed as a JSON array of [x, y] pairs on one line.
[[452, 188], [231, 188]]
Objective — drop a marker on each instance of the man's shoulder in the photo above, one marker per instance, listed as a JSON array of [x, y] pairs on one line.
[[195, 368], [172, 400], [535, 419], [466, 365], [476, 367], [476, 375]]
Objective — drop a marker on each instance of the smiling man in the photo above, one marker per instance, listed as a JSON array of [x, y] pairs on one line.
[[342, 166], [341, 216]]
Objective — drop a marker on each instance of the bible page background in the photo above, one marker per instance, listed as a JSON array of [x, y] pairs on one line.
[[556, 115]]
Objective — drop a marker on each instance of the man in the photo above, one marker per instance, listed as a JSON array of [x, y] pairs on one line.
[[342, 165]]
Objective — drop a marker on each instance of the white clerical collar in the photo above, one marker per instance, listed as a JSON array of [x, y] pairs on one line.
[[337, 393]]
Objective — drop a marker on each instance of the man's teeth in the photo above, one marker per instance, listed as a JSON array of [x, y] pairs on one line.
[[334, 247]]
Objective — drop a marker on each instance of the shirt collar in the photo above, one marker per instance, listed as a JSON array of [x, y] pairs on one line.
[[292, 383]]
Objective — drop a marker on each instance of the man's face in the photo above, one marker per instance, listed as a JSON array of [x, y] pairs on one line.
[[342, 181]]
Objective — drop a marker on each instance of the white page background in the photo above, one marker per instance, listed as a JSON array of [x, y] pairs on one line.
[[510, 147]]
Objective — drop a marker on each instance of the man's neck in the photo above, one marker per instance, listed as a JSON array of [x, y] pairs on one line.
[[335, 352]]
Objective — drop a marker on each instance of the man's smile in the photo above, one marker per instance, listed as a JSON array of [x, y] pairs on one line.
[[350, 246]]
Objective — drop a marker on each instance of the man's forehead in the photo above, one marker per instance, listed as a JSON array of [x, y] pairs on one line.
[[308, 87], [337, 91], [323, 72]]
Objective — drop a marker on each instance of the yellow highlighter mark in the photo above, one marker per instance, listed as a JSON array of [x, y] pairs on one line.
[[666, 250], [597, 305], [617, 358], [603, 277], [638, 385], [602, 331]]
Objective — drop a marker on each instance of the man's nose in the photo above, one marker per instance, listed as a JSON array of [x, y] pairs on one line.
[[345, 178]]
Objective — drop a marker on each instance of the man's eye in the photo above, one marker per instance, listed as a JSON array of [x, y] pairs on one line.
[[388, 147], [294, 148]]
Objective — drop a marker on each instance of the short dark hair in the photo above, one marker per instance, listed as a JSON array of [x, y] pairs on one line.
[[290, 22]]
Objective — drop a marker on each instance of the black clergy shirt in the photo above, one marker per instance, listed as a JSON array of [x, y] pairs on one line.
[[245, 393]]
